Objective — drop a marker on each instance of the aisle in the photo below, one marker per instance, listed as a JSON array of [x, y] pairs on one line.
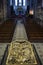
[[19, 33]]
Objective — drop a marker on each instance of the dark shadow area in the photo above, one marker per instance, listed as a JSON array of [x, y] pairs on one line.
[[34, 30], [6, 31]]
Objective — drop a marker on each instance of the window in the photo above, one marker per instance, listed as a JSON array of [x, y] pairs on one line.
[[10, 2], [24, 2], [20, 2], [15, 2]]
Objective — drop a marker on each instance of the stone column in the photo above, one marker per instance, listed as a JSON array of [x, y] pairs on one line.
[[30, 4], [5, 9], [1, 12], [8, 9]]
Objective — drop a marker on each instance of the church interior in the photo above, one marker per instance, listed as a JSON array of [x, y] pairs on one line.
[[21, 32]]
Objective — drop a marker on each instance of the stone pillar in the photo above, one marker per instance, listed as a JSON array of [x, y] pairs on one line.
[[30, 4], [5, 9], [8, 8], [35, 7], [1, 12]]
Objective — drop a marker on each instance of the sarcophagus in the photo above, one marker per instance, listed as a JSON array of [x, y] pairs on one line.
[[21, 54]]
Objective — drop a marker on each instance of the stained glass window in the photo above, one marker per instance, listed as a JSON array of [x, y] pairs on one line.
[[20, 2], [10, 2], [15, 2], [24, 2]]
